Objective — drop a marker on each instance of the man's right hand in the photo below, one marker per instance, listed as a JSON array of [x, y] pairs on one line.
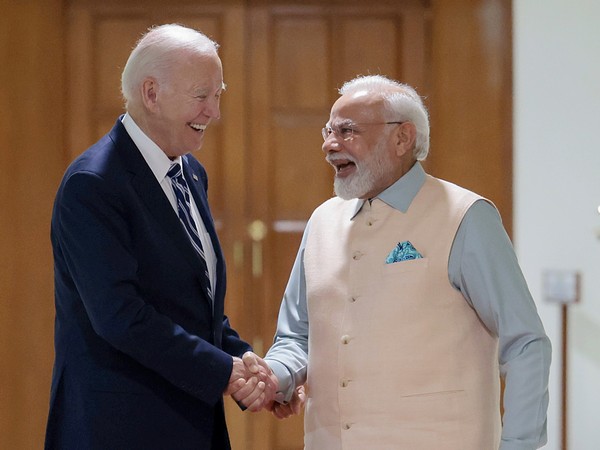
[[252, 383]]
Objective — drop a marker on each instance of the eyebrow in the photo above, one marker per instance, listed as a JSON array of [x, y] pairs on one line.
[[205, 91], [342, 123]]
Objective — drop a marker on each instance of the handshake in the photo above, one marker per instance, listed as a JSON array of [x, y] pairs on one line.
[[253, 385]]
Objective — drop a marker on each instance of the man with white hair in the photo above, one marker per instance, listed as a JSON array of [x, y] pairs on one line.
[[144, 352], [406, 303]]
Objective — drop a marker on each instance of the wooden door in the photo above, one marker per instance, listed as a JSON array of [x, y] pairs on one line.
[[467, 73], [282, 64], [100, 38], [298, 56]]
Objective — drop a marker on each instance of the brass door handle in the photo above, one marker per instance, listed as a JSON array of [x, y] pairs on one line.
[[257, 230]]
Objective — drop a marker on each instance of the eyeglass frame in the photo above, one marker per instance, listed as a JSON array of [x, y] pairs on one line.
[[328, 130]]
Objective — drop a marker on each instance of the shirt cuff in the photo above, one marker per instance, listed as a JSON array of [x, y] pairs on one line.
[[517, 445], [286, 387]]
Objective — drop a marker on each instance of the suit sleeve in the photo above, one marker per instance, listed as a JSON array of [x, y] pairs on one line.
[[95, 239], [232, 343]]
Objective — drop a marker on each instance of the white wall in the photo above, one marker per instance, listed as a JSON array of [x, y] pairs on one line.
[[557, 189]]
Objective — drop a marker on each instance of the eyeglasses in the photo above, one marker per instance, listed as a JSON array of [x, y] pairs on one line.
[[346, 131]]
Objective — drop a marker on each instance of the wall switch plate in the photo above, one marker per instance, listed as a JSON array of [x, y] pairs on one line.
[[561, 286]]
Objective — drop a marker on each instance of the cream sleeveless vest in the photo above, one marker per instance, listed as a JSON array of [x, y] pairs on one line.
[[397, 357]]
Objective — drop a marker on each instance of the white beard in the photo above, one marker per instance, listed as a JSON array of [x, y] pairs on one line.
[[368, 172]]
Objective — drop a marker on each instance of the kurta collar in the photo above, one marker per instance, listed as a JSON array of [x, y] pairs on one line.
[[400, 194]]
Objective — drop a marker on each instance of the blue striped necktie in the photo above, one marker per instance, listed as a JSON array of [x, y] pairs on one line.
[[182, 194]]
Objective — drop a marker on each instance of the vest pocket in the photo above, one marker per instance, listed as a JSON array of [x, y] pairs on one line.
[[435, 418], [405, 266]]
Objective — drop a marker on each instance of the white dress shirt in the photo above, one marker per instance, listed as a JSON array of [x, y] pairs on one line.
[[160, 164]]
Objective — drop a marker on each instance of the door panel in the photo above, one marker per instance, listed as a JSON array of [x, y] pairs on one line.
[[299, 57], [100, 40], [299, 62]]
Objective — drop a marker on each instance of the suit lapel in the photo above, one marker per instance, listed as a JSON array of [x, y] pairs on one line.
[[150, 192]]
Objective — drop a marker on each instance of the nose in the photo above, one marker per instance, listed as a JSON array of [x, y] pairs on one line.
[[331, 144], [213, 109]]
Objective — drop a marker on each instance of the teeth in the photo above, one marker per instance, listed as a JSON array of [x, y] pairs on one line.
[[197, 126]]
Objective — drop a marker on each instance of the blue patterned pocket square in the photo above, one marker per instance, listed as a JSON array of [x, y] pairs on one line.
[[402, 252]]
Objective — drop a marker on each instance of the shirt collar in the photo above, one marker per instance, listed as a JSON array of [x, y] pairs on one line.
[[156, 159], [400, 194]]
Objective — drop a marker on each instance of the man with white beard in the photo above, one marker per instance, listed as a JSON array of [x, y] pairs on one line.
[[414, 298]]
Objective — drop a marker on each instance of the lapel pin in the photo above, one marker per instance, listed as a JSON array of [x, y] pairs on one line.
[[195, 177]]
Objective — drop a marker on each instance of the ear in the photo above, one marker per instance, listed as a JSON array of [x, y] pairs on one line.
[[405, 136], [149, 93]]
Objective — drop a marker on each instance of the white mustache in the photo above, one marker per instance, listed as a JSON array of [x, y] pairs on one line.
[[338, 156]]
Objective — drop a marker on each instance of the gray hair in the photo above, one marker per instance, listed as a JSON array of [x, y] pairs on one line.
[[156, 53], [401, 101]]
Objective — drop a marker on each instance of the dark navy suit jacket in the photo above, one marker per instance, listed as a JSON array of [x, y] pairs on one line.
[[142, 359]]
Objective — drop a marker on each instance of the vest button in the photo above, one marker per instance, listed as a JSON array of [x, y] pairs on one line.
[[346, 426], [345, 339], [356, 255], [344, 383], [353, 299]]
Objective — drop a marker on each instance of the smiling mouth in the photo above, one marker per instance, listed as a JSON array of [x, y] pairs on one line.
[[342, 166], [198, 127]]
